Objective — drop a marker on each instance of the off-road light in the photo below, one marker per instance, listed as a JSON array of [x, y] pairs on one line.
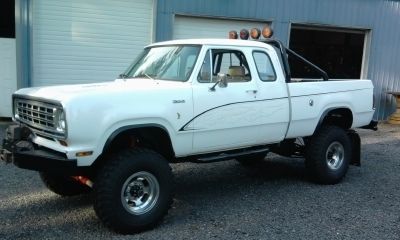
[[255, 33], [267, 32], [233, 35], [244, 34]]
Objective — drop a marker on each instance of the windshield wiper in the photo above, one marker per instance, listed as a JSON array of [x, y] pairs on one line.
[[123, 76], [145, 75]]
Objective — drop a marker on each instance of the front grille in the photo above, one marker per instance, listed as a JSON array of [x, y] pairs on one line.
[[41, 116]]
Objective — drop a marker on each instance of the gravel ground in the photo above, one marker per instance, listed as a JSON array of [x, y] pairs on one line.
[[227, 201]]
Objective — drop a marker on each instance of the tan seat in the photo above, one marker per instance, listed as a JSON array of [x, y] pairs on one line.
[[236, 74]]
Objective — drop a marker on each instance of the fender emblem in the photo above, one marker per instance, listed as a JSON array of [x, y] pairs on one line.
[[178, 101]]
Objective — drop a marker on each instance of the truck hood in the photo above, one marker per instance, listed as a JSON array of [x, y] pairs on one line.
[[65, 93]]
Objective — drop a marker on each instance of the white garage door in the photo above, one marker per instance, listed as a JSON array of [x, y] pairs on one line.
[[8, 75], [198, 27], [78, 41]]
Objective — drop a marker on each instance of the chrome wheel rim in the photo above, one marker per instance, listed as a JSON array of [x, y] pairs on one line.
[[140, 193], [335, 155]]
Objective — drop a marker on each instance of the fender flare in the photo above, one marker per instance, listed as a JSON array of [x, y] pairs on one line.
[[326, 112], [113, 135]]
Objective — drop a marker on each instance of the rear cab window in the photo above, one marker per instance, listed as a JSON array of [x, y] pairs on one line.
[[264, 66]]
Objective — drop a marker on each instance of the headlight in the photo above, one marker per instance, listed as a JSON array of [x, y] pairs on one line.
[[61, 123], [16, 116]]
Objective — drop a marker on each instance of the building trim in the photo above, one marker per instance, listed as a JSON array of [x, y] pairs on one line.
[[183, 14], [154, 21], [23, 45], [366, 54]]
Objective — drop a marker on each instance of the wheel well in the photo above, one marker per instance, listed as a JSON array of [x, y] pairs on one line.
[[341, 117], [154, 138]]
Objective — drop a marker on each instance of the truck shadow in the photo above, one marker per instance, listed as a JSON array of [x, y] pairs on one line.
[[227, 189], [205, 178], [195, 185]]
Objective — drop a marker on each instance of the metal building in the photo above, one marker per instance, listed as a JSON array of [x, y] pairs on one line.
[[80, 41], [377, 21]]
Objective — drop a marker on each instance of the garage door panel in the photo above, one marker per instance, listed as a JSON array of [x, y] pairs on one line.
[[92, 9], [103, 37], [199, 27]]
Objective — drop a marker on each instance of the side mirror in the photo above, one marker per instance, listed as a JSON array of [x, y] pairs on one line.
[[222, 82]]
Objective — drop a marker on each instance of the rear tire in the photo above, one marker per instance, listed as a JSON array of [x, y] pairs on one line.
[[63, 185], [328, 155], [133, 190]]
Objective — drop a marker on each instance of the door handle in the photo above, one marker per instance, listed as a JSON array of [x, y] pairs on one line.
[[252, 91]]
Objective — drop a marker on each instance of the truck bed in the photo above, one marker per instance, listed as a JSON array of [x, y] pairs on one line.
[[310, 99]]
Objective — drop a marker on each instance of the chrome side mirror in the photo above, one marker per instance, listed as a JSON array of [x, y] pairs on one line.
[[222, 81]]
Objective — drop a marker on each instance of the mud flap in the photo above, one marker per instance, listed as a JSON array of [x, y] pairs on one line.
[[355, 147]]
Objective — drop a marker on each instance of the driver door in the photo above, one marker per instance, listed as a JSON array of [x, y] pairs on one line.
[[227, 117]]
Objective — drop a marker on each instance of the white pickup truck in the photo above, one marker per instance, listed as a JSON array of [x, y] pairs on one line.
[[188, 100]]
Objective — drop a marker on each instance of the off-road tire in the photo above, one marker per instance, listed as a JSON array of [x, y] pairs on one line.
[[111, 182], [319, 150], [252, 159], [63, 185]]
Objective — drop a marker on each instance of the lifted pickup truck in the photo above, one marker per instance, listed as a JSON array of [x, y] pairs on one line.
[[200, 100]]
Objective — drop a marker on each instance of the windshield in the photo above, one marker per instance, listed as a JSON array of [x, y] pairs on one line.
[[174, 63]]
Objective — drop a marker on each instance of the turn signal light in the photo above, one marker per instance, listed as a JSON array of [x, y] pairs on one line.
[[84, 154]]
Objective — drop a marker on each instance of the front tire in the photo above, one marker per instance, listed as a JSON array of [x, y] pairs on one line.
[[63, 185], [133, 190], [328, 155]]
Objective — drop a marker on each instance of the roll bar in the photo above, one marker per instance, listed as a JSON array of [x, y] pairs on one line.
[[285, 52]]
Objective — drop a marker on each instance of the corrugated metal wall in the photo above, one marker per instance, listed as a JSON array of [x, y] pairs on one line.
[[382, 17]]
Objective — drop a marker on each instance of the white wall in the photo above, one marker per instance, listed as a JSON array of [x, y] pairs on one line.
[[8, 75]]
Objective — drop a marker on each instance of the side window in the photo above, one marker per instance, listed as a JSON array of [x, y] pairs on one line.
[[264, 66], [205, 71], [233, 63]]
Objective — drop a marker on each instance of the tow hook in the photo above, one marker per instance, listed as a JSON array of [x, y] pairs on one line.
[[83, 180]]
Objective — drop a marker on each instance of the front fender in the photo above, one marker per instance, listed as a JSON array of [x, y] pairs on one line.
[[118, 130]]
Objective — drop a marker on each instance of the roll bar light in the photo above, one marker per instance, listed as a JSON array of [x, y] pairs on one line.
[[254, 33]]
